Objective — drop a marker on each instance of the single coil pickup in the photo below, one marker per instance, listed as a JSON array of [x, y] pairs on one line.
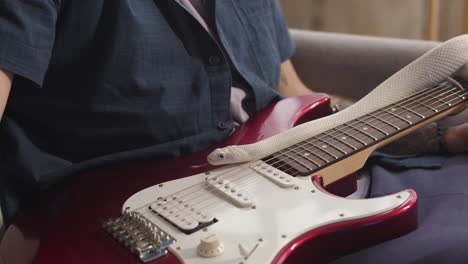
[[278, 177], [230, 191]]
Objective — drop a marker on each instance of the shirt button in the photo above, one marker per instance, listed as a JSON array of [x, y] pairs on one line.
[[214, 60], [222, 125]]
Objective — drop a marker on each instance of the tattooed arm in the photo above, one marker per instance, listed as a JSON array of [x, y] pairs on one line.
[[424, 140], [431, 140], [290, 84]]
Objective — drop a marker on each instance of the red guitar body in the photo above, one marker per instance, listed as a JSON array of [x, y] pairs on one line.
[[64, 224]]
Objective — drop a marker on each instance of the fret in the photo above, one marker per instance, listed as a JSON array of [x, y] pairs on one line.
[[370, 136], [412, 111], [450, 100], [374, 127], [323, 150], [462, 96], [459, 96], [341, 140], [446, 88], [397, 116], [333, 146], [441, 100], [299, 161], [353, 137], [316, 155], [407, 115], [385, 121], [424, 105], [306, 155], [449, 103], [296, 160]]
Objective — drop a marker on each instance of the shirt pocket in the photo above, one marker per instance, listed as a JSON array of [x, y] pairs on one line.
[[260, 27]]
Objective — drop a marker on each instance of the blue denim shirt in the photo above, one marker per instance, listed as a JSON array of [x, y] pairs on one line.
[[102, 81]]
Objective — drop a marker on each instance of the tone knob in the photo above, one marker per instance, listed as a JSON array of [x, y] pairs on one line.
[[210, 246]]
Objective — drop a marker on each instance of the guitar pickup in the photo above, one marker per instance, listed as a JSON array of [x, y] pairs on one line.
[[230, 191], [180, 214], [278, 177]]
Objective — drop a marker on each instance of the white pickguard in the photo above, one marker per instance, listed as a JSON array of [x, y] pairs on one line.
[[279, 216]]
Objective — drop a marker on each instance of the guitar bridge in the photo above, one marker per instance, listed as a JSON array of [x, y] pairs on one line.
[[139, 235]]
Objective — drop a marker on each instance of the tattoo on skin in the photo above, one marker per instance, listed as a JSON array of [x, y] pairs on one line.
[[283, 79], [423, 140]]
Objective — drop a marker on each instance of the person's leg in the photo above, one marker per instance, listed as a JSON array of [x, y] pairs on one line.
[[442, 235]]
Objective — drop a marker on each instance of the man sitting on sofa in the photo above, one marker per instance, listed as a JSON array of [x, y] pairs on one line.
[[76, 89]]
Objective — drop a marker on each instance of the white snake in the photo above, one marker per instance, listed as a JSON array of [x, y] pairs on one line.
[[429, 70]]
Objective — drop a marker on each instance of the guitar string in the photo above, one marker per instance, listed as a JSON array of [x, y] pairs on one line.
[[422, 119], [186, 196], [297, 174], [261, 178], [406, 110], [226, 174], [217, 200], [294, 148], [432, 98], [443, 100]]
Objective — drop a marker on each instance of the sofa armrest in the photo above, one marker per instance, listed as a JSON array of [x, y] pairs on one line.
[[351, 65]]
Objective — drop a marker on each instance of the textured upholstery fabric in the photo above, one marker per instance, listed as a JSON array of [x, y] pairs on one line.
[[351, 65]]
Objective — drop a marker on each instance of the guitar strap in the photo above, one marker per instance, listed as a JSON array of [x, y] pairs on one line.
[[429, 70]]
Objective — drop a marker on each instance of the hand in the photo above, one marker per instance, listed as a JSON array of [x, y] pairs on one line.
[[457, 139]]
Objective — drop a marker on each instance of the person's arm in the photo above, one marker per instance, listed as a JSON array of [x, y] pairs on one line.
[[290, 84], [431, 140], [6, 79]]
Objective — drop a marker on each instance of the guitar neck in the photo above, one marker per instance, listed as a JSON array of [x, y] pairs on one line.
[[370, 131]]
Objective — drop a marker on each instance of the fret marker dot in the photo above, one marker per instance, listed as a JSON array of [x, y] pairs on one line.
[[344, 138], [324, 146], [408, 116], [393, 109], [365, 128], [307, 154]]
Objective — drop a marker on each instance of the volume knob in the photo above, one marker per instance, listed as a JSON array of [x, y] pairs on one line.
[[210, 246]]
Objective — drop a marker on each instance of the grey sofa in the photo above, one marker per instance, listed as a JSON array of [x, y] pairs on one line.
[[351, 65]]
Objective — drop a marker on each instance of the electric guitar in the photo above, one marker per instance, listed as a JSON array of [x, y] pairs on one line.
[[286, 208]]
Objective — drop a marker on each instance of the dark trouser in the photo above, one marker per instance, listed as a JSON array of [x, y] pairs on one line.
[[442, 235]]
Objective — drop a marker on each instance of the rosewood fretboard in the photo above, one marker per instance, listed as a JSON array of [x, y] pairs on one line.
[[322, 150]]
